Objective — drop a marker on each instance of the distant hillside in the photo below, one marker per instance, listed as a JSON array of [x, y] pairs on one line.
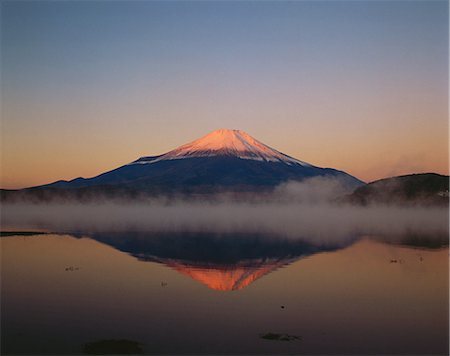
[[415, 189]]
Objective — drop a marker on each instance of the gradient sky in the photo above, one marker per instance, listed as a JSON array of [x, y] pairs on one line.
[[87, 86]]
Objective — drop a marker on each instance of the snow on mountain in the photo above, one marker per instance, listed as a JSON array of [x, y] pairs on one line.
[[225, 142], [222, 161]]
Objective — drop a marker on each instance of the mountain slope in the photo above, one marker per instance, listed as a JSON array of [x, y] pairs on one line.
[[223, 160], [425, 188]]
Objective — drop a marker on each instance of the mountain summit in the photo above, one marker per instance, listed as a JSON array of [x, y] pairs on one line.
[[224, 142], [222, 161]]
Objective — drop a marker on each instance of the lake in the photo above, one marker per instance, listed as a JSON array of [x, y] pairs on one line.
[[201, 293]]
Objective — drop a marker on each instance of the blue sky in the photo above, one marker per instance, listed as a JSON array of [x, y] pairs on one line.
[[362, 78]]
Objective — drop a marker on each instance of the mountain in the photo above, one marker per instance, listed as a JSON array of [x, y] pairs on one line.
[[419, 189], [222, 161]]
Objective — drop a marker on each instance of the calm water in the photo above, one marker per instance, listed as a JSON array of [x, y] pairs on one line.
[[200, 294]]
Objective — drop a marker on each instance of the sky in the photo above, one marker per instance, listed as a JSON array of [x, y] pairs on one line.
[[87, 86]]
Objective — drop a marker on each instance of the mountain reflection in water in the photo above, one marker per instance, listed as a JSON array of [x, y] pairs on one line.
[[224, 262], [228, 262], [362, 296]]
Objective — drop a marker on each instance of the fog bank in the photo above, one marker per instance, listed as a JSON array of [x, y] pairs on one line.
[[320, 220], [305, 209]]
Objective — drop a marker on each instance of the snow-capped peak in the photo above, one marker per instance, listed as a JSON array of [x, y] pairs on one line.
[[225, 142]]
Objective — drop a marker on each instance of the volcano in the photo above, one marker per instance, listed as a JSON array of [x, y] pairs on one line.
[[222, 161]]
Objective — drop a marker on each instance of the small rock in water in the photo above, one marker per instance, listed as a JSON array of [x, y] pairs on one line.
[[72, 268], [279, 337]]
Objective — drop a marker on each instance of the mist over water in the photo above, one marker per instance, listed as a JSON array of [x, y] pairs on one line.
[[305, 210], [342, 278]]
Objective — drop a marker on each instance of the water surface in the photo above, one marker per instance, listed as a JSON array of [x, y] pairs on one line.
[[173, 296]]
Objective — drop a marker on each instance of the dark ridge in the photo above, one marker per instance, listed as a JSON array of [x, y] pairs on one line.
[[413, 189], [22, 233]]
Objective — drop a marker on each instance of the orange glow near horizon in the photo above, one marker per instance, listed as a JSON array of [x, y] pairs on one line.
[[368, 159], [360, 86]]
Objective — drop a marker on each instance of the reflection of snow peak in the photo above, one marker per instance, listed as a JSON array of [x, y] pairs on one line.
[[225, 143], [231, 277]]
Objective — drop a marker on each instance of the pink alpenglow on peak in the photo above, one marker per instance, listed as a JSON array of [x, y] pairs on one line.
[[224, 142], [222, 161]]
